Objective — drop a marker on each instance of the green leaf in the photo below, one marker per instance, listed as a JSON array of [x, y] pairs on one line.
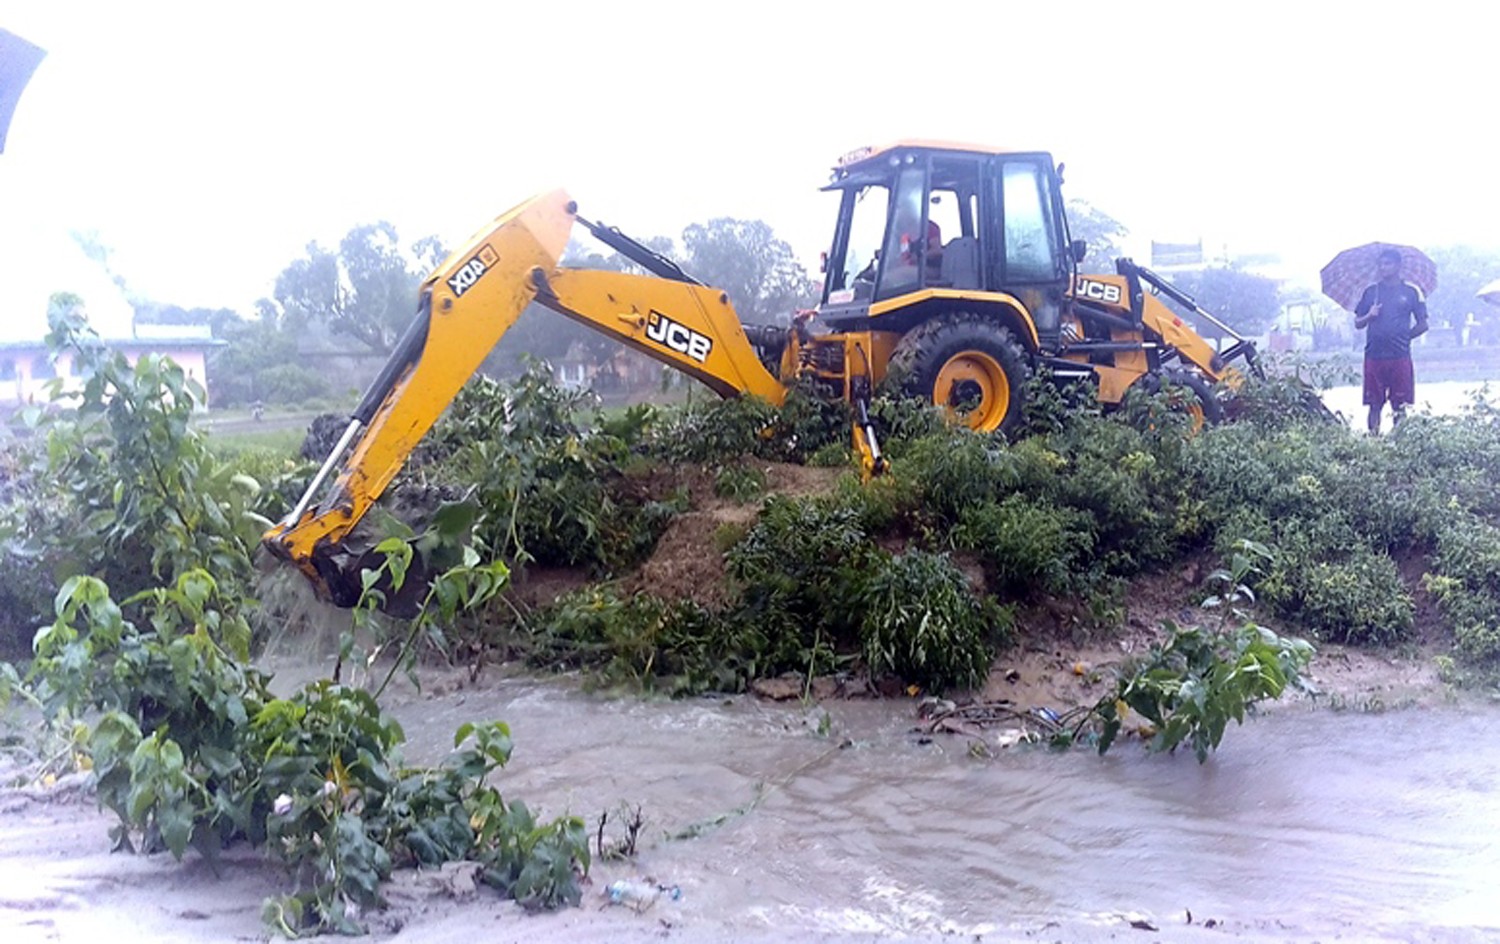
[[176, 823], [454, 520]]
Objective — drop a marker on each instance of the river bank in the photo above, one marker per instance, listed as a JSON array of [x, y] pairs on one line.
[[849, 820]]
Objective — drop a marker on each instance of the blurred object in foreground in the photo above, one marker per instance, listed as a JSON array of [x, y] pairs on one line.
[[18, 59]]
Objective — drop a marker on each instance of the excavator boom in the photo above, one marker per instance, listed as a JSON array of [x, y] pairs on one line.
[[465, 307]]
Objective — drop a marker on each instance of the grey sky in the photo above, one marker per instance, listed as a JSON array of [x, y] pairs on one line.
[[206, 144]]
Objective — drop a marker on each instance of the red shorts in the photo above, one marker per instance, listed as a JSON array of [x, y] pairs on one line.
[[1389, 380]]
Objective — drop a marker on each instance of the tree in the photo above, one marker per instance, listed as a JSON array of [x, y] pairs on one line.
[[1462, 272], [260, 362], [760, 273], [1104, 234], [1246, 302], [63, 304], [367, 290], [543, 333]]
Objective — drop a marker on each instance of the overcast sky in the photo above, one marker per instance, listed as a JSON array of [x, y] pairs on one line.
[[206, 144]]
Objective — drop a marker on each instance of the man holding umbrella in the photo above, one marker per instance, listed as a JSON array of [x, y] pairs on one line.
[[1393, 312]]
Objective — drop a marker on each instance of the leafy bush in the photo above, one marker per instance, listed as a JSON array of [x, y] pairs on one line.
[[1466, 583], [1286, 398], [1133, 491], [1051, 408], [739, 482], [920, 620], [550, 490], [1357, 600], [191, 749], [955, 470], [714, 430], [671, 646], [1190, 687], [1028, 546], [803, 564], [150, 500], [28, 508], [188, 746], [1333, 506], [146, 496]]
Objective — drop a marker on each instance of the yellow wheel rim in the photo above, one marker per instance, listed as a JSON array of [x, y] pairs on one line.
[[1186, 399], [973, 388], [1196, 417]]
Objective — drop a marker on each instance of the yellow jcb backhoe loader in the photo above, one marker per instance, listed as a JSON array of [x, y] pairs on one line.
[[951, 269]]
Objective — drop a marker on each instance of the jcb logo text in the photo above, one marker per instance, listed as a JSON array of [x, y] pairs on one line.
[[675, 337], [1099, 291], [470, 272]]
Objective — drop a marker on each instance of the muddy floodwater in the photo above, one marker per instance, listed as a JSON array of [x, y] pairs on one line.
[[777, 824], [1441, 398], [1306, 821]]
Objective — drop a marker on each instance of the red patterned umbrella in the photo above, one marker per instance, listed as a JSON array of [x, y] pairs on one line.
[[1353, 270]]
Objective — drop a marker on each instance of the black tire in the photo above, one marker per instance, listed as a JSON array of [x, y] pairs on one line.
[[1209, 409], [982, 367]]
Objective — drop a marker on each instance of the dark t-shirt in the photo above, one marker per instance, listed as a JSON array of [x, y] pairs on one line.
[[1388, 337]]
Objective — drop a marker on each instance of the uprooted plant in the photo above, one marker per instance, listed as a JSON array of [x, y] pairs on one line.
[[1191, 686], [147, 683], [190, 749], [1185, 689]]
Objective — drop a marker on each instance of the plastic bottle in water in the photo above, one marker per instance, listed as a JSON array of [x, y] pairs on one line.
[[640, 895]]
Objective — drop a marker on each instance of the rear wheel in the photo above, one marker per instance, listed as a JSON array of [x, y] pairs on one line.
[[968, 365]]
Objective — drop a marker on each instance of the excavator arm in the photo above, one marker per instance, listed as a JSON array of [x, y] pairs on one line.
[[465, 307]]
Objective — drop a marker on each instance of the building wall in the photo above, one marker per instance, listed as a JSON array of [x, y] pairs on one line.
[[26, 373]]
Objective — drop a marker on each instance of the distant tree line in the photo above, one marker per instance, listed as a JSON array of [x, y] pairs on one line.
[[336, 313], [1243, 300]]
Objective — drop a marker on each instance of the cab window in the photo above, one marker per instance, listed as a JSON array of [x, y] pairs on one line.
[[906, 238], [1030, 236], [953, 257], [855, 278]]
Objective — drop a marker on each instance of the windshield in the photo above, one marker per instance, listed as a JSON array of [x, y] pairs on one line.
[[1031, 251], [854, 280]]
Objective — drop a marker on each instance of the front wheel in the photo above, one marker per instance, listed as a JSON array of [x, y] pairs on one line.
[[968, 365], [1195, 397]]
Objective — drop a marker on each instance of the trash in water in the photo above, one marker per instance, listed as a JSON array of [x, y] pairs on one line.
[[640, 894]]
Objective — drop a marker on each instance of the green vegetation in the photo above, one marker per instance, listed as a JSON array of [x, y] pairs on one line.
[[143, 673], [1192, 685], [142, 666], [273, 443], [1083, 504]]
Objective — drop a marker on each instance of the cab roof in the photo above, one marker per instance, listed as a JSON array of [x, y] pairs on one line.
[[861, 155]]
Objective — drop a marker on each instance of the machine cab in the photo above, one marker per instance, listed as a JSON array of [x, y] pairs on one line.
[[915, 217]]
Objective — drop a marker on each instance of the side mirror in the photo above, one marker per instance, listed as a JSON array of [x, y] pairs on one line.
[[1080, 249]]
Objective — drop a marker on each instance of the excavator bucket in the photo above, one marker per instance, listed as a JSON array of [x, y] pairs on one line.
[[445, 344]]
